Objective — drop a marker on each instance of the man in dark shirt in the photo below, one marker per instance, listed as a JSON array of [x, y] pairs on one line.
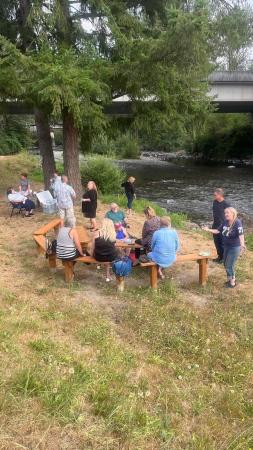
[[219, 206]]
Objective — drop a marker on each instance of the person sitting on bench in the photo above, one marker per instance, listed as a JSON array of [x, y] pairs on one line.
[[116, 215], [151, 224], [17, 198], [68, 244], [24, 185], [164, 246], [103, 245]]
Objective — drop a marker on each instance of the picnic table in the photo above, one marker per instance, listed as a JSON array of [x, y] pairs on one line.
[[85, 238]]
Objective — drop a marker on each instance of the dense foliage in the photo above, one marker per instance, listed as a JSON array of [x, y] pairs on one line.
[[226, 136], [14, 136], [107, 176]]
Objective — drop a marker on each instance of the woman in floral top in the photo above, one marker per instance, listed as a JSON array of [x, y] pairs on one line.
[[151, 224]]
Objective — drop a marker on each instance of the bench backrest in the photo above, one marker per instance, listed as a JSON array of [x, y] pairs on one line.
[[48, 227]]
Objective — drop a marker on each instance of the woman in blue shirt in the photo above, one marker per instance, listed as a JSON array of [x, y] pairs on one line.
[[233, 240], [164, 246]]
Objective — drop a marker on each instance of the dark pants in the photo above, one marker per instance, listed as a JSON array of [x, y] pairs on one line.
[[219, 245], [130, 198], [29, 205], [139, 251]]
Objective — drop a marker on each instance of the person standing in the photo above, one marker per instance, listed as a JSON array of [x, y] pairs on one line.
[[219, 206], [54, 182], [65, 195], [130, 192], [232, 234], [89, 204], [24, 185]]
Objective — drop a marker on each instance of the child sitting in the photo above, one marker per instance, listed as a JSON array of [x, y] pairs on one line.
[[121, 232]]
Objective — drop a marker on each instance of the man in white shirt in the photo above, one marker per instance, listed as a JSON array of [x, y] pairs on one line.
[[65, 195], [17, 198]]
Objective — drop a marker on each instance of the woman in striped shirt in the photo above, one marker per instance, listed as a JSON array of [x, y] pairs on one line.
[[68, 244]]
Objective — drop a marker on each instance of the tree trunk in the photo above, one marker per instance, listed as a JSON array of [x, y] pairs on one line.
[[71, 153], [45, 145]]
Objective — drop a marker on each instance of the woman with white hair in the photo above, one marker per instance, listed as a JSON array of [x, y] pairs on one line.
[[233, 240], [103, 245], [164, 246], [130, 192]]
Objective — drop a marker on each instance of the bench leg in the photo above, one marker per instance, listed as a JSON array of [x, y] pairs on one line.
[[68, 271], [153, 277], [203, 271], [120, 284], [52, 261]]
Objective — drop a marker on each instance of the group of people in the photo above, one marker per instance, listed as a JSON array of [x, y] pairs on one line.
[[21, 198], [159, 242], [65, 196], [228, 235]]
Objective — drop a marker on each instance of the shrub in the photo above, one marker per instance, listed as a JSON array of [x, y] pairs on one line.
[[102, 145], [225, 137], [127, 147], [124, 146], [14, 136], [106, 174]]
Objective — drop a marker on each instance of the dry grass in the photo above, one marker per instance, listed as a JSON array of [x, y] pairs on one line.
[[82, 368]]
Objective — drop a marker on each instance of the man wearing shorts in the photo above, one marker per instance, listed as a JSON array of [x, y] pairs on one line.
[[65, 195]]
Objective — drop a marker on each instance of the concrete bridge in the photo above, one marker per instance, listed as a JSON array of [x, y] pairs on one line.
[[232, 92]]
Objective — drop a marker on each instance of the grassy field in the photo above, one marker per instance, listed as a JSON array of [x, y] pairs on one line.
[[84, 368]]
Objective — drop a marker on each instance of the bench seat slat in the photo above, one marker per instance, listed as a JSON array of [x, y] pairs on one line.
[[182, 258]]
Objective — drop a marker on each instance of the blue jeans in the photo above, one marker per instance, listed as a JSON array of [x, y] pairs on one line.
[[230, 257], [130, 198]]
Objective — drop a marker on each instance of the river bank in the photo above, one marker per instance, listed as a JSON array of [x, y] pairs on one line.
[[182, 155]]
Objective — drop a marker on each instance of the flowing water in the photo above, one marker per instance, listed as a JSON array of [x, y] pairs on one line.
[[186, 187]]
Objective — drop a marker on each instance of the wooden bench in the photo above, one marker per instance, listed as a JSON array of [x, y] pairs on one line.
[[201, 260]]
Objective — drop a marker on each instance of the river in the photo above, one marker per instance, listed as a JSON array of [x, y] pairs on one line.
[[186, 187]]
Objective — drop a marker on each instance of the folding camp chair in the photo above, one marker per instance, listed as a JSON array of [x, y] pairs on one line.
[[19, 207]]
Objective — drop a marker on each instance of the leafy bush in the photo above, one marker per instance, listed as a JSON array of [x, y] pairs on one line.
[[106, 174], [102, 145], [123, 146], [127, 147], [14, 136], [177, 219], [226, 138]]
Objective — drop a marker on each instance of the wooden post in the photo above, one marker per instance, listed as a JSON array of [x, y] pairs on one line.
[[203, 271], [68, 271], [153, 277], [52, 261], [56, 229], [120, 283]]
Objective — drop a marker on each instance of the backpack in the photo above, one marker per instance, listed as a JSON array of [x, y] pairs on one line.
[[51, 247], [122, 267]]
